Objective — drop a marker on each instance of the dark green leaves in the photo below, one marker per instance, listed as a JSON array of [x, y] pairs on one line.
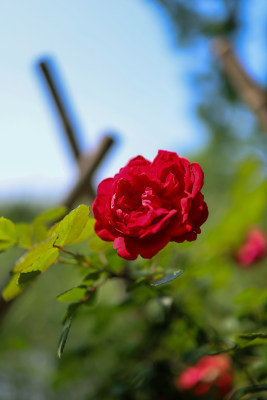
[[64, 336], [27, 277], [81, 296], [251, 339]]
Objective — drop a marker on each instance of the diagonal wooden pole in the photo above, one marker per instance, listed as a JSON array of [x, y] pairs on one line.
[[249, 91], [67, 124], [87, 163]]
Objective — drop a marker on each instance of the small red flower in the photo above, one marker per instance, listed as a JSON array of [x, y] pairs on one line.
[[209, 372], [253, 249], [148, 204]]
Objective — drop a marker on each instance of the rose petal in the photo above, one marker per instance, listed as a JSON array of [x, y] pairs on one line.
[[166, 162], [136, 165], [105, 187], [101, 203], [150, 246], [123, 250], [103, 233], [197, 177], [137, 162], [160, 225]]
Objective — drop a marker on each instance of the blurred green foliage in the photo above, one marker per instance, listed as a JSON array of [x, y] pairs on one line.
[[132, 340]]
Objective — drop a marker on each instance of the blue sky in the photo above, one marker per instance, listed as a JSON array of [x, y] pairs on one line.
[[120, 72], [120, 69]]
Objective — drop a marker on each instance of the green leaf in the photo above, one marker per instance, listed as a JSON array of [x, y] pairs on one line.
[[8, 235], [71, 295], [167, 278], [44, 261], [12, 289], [71, 311], [71, 227], [29, 266], [92, 276], [87, 231], [40, 222], [52, 214], [24, 235], [38, 258], [251, 339], [63, 337]]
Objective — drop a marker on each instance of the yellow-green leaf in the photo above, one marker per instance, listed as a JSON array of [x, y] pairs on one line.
[[87, 231], [52, 214], [40, 222], [71, 227], [32, 256], [8, 236], [24, 235], [12, 289], [44, 261], [36, 260]]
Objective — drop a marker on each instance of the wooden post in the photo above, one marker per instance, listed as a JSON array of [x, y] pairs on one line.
[[249, 91], [90, 164], [87, 163], [67, 124]]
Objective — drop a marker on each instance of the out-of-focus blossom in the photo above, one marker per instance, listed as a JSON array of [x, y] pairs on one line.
[[211, 373], [253, 249]]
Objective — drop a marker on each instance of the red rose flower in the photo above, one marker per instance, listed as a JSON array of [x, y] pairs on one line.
[[209, 372], [148, 204], [253, 249]]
